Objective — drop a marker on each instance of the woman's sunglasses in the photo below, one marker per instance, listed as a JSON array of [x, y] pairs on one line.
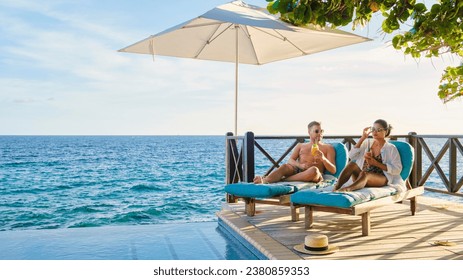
[[374, 129], [319, 131]]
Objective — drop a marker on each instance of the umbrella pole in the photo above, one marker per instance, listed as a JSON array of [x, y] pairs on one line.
[[236, 80]]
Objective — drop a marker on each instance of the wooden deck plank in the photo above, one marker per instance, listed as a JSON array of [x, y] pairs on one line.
[[395, 233]]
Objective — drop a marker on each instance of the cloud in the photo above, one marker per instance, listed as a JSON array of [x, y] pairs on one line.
[[31, 100], [61, 74]]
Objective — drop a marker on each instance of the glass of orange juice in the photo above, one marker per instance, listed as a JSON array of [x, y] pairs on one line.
[[314, 151]]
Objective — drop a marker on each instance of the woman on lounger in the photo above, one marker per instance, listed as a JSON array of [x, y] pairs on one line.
[[374, 162]]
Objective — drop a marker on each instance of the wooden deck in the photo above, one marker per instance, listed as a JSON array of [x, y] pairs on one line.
[[395, 234]]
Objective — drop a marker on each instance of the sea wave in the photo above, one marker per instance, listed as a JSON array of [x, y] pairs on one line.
[[90, 181]]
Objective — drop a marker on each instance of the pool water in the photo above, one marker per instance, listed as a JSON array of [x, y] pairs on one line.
[[186, 241]]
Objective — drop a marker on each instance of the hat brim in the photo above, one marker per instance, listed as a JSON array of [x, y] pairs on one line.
[[301, 249]]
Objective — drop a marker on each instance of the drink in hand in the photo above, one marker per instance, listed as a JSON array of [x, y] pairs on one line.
[[314, 150]]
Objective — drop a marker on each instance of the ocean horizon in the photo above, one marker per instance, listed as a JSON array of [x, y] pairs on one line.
[[51, 181]]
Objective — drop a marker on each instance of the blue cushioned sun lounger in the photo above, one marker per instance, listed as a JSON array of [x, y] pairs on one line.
[[359, 202], [278, 193]]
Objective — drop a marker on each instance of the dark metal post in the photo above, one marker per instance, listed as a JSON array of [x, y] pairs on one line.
[[228, 159], [452, 166], [230, 166], [248, 157], [232, 158], [415, 175]]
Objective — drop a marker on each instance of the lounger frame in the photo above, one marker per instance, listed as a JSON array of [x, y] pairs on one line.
[[362, 209], [250, 203]]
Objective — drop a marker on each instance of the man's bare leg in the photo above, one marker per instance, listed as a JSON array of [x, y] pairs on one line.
[[310, 175], [282, 171]]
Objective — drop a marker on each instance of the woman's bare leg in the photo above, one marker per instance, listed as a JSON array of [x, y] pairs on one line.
[[352, 169], [366, 179]]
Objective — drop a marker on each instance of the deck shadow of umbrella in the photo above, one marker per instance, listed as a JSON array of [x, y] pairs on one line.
[[241, 33]]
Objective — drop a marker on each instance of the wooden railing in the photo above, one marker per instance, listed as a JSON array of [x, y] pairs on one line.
[[451, 181], [240, 157]]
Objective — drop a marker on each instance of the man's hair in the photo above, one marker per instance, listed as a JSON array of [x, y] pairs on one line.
[[313, 124]]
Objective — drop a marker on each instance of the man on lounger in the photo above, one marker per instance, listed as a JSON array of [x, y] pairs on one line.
[[305, 164]]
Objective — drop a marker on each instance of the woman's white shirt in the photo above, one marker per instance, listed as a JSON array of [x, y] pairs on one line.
[[391, 158]]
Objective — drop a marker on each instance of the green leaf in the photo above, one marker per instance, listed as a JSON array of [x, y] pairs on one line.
[[291, 18], [420, 8], [389, 3], [276, 5], [271, 9], [435, 31], [299, 12], [394, 24], [435, 9], [307, 15], [404, 16], [385, 26], [397, 41], [285, 6], [321, 20]]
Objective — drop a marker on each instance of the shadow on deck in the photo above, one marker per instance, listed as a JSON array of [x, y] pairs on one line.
[[395, 234]]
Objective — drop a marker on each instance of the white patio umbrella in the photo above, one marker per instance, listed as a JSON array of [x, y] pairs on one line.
[[241, 33]]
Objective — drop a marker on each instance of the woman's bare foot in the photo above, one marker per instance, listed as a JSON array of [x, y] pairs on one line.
[[260, 180]]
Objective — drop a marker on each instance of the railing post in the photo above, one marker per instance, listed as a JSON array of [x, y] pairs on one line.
[[230, 167], [452, 166], [415, 175], [248, 157], [228, 159]]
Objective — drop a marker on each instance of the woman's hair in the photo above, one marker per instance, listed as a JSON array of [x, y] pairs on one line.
[[384, 125]]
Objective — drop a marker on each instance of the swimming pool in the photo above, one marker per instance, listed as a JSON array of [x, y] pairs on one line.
[[186, 241]]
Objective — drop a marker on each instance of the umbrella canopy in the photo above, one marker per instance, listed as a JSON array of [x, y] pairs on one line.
[[241, 33]]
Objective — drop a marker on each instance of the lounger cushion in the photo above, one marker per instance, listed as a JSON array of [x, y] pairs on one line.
[[275, 189], [326, 197], [258, 190], [406, 157], [341, 158]]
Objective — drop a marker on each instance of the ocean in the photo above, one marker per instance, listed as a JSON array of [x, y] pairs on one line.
[[49, 182]]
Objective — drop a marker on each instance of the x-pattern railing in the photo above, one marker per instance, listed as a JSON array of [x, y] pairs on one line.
[[348, 140], [451, 146], [240, 162], [276, 163]]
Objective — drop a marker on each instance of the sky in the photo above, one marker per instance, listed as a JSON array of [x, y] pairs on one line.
[[61, 74]]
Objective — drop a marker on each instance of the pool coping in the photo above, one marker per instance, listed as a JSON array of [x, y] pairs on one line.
[[266, 245]]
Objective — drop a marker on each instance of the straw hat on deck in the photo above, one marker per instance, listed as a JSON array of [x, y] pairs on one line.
[[316, 244]]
